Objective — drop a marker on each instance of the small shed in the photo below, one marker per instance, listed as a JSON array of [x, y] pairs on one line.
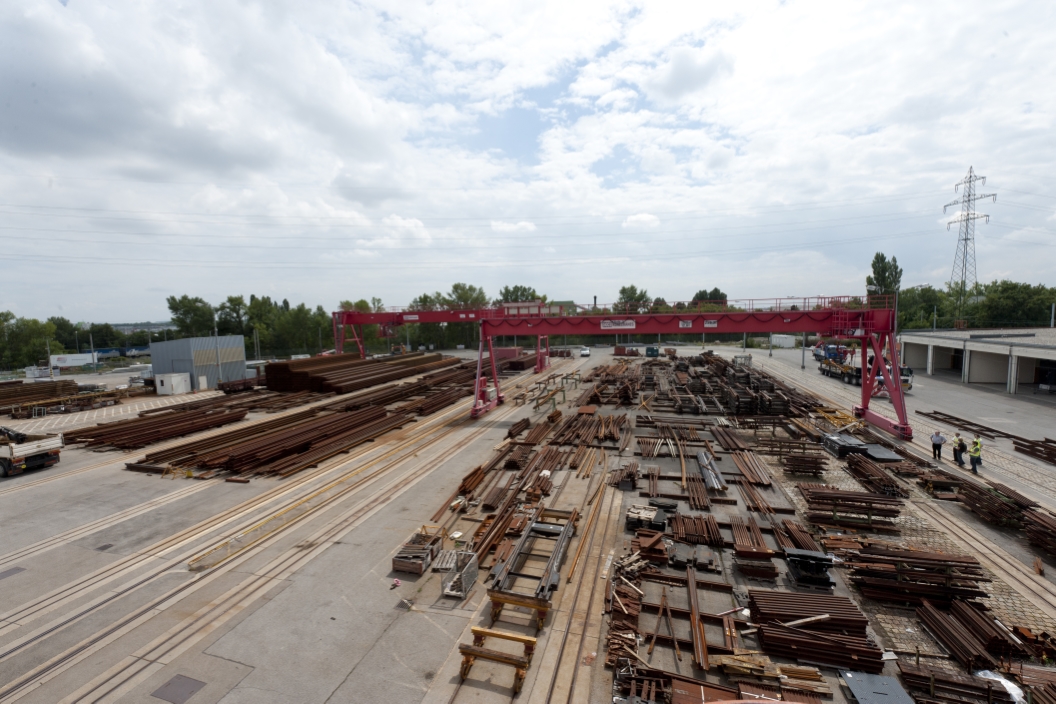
[[206, 360]]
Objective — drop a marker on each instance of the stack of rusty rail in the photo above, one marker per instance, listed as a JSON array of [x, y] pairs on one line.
[[910, 576], [753, 500], [996, 503], [987, 631], [831, 630], [750, 467], [280, 446], [338, 438], [518, 427], [13, 396], [941, 484], [797, 536], [748, 539], [873, 476], [1040, 527], [957, 639], [538, 433], [850, 509], [345, 373], [623, 603], [380, 396], [649, 544], [931, 684], [695, 529], [782, 448], [135, 433], [729, 439], [434, 400], [804, 464]]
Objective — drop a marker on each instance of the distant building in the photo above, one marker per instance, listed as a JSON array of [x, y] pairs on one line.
[[532, 308], [197, 356], [129, 328]]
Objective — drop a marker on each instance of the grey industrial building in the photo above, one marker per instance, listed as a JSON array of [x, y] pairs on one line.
[[1015, 358], [207, 359]]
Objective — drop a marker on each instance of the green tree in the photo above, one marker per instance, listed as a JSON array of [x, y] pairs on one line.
[[886, 276], [517, 294], [921, 306], [1008, 303], [105, 335], [65, 332], [232, 316], [465, 297], [632, 299], [714, 294], [193, 317], [24, 341]]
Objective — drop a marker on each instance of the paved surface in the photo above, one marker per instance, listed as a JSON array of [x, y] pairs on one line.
[[125, 408], [315, 618], [329, 629]]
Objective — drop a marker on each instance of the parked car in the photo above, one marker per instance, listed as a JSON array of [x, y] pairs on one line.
[[584, 351]]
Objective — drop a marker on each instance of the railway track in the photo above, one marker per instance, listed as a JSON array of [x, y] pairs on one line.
[[594, 575], [122, 457], [1035, 589], [127, 565], [45, 671], [1042, 493], [105, 522]]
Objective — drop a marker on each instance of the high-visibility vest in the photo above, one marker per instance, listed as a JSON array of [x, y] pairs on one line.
[[977, 449]]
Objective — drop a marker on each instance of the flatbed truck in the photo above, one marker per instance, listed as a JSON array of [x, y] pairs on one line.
[[20, 451]]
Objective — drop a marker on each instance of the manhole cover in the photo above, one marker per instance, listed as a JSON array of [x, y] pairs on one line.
[[178, 690]]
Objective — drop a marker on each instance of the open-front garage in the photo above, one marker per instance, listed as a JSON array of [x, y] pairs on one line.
[[1015, 358]]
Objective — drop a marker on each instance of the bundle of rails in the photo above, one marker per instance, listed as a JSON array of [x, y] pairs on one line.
[[940, 685], [852, 509], [955, 638], [909, 576], [996, 503], [873, 476], [14, 395], [751, 468], [135, 433], [1040, 527]]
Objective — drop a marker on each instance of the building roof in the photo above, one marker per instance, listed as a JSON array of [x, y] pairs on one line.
[[1029, 342]]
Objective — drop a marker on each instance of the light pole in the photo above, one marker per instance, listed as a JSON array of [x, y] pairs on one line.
[[216, 338]]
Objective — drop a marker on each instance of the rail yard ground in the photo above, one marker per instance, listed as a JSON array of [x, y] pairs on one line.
[[221, 565]]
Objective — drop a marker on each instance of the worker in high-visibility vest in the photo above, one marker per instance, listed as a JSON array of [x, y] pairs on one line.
[[975, 454]]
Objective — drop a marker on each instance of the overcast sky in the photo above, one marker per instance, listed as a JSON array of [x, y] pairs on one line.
[[326, 150]]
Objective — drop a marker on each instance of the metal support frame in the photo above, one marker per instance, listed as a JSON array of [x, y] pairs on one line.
[[892, 383], [542, 353], [870, 320], [481, 403]]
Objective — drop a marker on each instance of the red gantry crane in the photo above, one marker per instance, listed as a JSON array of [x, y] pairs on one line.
[[870, 320]]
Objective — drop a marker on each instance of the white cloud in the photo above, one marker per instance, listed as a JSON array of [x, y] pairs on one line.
[[641, 220], [428, 136], [522, 226]]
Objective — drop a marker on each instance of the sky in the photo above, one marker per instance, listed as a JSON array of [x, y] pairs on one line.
[[332, 150]]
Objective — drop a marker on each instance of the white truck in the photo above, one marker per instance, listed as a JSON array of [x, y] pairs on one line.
[[19, 451]]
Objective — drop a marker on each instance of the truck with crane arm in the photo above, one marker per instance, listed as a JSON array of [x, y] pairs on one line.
[[21, 451]]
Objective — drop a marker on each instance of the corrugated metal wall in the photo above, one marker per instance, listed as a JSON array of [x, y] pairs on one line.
[[197, 357]]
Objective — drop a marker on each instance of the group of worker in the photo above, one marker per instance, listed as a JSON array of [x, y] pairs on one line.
[[975, 452]]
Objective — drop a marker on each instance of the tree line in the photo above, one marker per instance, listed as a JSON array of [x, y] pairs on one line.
[[998, 304], [274, 328]]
